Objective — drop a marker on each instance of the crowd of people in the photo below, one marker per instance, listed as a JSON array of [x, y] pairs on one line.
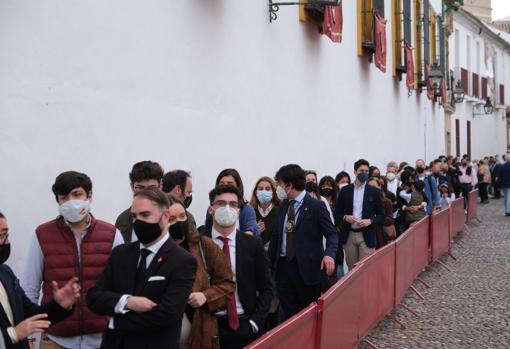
[[158, 279]]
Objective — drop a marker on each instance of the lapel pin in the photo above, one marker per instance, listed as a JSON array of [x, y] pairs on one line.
[[160, 259]]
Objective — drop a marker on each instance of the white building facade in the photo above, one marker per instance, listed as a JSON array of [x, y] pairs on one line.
[[480, 59], [96, 86]]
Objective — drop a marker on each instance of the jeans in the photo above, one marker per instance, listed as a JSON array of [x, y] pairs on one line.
[[506, 192]]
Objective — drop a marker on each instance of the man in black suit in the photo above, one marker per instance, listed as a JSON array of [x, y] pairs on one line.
[[19, 317], [359, 210], [245, 316], [145, 285], [296, 248]]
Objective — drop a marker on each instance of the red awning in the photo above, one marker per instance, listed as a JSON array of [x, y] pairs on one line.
[[409, 66], [332, 24], [380, 42]]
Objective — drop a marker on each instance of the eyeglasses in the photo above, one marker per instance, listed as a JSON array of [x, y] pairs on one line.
[[4, 236], [223, 203]]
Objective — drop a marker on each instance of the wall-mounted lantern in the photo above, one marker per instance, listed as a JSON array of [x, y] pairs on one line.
[[458, 93], [435, 77], [488, 108], [274, 7]]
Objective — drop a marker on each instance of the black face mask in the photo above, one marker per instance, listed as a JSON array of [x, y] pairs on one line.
[[178, 230], [311, 187], [326, 192], [187, 201], [5, 252], [146, 232], [420, 170]]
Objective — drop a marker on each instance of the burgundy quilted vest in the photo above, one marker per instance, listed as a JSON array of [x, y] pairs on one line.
[[61, 263]]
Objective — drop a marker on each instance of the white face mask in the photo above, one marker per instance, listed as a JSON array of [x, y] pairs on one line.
[[281, 193], [390, 176], [74, 211], [340, 186], [225, 216]]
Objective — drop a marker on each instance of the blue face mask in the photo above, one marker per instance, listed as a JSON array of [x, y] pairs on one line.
[[264, 196], [362, 177]]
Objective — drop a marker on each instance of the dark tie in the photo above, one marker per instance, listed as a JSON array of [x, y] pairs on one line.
[[233, 319], [289, 230], [142, 267]]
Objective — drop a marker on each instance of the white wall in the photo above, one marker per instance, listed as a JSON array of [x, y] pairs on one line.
[[95, 86]]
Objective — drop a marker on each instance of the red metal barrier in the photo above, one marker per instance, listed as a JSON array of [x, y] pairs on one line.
[[404, 260], [378, 296], [439, 234], [300, 331], [472, 205], [421, 251], [340, 309], [411, 257], [457, 217]]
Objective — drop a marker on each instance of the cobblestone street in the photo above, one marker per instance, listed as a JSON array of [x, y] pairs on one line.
[[468, 307]]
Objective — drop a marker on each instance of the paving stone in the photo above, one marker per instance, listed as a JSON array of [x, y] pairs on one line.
[[468, 307]]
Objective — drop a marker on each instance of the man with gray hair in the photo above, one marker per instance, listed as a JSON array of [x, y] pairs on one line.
[[391, 176]]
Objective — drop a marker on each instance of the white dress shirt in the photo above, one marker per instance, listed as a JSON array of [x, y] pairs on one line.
[[263, 212], [357, 203], [232, 247], [32, 282], [120, 307], [297, 205], [4, 300]]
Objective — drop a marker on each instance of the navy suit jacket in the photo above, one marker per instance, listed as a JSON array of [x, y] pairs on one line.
[[23, 308], [313, 223], [503, 175], [373, 208]]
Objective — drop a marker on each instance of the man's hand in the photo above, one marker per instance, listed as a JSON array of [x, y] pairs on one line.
[[329, 263], [196, 299], [350, 219], [34, 324], [139, 304], [413, 209], [67, 295], [364, 223], [262, 225]]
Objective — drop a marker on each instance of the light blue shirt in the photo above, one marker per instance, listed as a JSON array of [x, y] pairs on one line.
[[299, 201], [357, 203]]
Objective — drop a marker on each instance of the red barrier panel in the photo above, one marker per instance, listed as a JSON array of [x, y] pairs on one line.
[[421, 256], [439, 234], [458, 218], [404, 259], [472, 205], [300, 331], [340, 309], [411, 256], [378, 296]]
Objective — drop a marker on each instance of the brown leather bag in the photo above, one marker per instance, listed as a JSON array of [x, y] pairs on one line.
[[389, 232]]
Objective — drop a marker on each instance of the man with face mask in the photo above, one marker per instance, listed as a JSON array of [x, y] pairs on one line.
[[144, 175], [180, 184], [431, 185], [359, 210], [391, 177], [145, 285], [244, 318], [296, 248], [75, 243], [19, 317]]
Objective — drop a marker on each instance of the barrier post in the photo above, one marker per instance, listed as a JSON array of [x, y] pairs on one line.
[[472, 206]]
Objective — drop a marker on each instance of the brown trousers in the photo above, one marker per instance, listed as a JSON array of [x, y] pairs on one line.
[[355, 249]]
